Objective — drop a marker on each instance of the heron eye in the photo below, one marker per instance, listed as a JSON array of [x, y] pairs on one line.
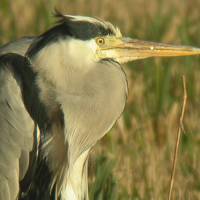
[[100, 41]]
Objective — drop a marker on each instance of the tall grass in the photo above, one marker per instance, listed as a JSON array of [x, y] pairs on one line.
[[134, 160]]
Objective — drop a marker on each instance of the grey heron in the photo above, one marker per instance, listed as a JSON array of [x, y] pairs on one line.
[[61, 92]]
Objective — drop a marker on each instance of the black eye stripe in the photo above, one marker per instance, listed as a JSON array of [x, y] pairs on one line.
[[82, 30]]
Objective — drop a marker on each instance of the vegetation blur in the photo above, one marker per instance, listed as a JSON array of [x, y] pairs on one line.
[[133, 161]]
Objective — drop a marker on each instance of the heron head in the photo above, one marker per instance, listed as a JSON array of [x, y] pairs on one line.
[[92, 40]]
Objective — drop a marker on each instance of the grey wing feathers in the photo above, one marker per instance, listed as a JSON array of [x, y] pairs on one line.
[[19, 46], [16, 134]]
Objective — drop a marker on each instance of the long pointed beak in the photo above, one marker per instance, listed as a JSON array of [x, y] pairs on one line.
[[131, 49]]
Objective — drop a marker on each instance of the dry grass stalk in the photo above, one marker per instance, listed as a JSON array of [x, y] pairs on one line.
[[180, 129]]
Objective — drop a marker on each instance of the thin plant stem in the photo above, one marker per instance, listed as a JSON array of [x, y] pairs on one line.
[[180, 130]]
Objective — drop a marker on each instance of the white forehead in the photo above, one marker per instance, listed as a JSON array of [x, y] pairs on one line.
[[82, 18], [106, 24]]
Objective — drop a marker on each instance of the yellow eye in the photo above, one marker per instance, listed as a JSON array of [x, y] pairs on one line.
[[100, 41]]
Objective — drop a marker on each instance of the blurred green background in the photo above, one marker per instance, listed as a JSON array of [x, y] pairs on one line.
[[133, 161]]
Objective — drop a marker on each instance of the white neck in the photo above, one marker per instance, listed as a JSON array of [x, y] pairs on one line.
[[91, 96], [76, 186]]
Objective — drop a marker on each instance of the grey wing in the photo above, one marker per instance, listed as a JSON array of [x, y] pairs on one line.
[[16, 134], [19, 46]]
